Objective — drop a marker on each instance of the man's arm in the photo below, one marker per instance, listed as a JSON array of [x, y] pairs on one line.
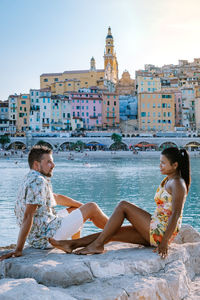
[[24, 231], [66, 201]]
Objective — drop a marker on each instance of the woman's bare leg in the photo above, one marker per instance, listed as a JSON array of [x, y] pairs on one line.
[[139, 218], [126, 234]]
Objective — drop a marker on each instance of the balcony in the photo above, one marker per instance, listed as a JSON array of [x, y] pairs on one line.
[[93, 117]]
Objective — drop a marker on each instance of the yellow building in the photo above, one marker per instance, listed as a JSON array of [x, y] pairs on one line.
[[125, 85], [23, 112], [147, 84], [71, 81], [156, 111]]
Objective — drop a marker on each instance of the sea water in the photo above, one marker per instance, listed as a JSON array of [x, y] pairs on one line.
[[105, 182]]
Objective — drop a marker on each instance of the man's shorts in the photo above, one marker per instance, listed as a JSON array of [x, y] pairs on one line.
[[71, 224]]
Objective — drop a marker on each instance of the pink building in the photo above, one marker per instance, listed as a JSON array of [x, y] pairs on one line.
[[87, 106]]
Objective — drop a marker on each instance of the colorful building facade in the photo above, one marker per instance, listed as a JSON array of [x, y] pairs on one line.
[[156, 111], [86, 107], [110, 110], [4, 117]]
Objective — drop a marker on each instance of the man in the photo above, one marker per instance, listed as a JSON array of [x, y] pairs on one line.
[[34, 210]]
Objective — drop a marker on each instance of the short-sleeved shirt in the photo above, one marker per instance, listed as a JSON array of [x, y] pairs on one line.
[[37, 189]]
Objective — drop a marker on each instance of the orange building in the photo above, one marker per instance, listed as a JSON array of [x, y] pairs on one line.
[[110, 110], [156, 111]]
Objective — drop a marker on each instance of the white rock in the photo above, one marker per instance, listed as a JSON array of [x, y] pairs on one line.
[[124, 272], [23, 289]]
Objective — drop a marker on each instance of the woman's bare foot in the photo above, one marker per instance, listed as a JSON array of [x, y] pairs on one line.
[[90, 249], [62, 245]]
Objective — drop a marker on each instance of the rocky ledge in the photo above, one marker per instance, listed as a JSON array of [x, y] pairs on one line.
[[125, 271]]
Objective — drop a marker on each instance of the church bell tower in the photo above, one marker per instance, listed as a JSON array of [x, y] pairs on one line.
[[110, 59]]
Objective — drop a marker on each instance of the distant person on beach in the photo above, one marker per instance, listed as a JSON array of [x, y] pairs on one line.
[[156, 230], [35, 203]]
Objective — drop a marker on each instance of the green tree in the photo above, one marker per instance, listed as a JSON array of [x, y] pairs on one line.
[[116, 138], [117, 145], [79, 145], [4, 139]]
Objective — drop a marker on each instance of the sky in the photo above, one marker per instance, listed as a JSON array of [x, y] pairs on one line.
[[51, 36]]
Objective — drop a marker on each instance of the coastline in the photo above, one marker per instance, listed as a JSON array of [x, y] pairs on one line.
[[92, 155]]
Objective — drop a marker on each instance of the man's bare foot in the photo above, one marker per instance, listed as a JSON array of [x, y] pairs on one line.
[[62, 245], [90, 249]]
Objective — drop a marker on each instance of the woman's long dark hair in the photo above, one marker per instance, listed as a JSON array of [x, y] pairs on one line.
[[182, 158]]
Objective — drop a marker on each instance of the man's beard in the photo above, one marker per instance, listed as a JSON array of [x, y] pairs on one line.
[[46, 174]]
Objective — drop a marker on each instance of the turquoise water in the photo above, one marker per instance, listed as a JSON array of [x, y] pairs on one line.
[[104, 181]]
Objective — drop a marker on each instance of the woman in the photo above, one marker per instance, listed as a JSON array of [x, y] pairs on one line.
[[157, 230]]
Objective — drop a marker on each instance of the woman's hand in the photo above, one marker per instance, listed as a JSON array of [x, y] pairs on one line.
[[162, 249], [15, 253]]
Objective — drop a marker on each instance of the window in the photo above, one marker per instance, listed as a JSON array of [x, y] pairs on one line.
[[108, 102], [143, 114], [45, 80], [55, 79], [115, 103], [23, 102]]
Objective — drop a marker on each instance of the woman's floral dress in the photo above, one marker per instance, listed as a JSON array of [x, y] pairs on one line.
[[159, 220]]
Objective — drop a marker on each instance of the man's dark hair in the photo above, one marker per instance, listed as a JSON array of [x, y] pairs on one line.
[[36, 153]]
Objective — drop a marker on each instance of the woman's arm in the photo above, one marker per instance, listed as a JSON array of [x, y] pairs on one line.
[[24, 231], [178, 191], [66, 201]]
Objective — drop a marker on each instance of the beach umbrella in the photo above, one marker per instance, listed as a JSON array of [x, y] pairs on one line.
[[139, 145], [150, 145]]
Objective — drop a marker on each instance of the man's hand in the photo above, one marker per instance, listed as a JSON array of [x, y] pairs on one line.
[[15, 253]]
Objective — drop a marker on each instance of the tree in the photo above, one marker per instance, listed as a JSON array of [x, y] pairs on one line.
[[117, 145], [4, 139], [79, 145], [116, 138]]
